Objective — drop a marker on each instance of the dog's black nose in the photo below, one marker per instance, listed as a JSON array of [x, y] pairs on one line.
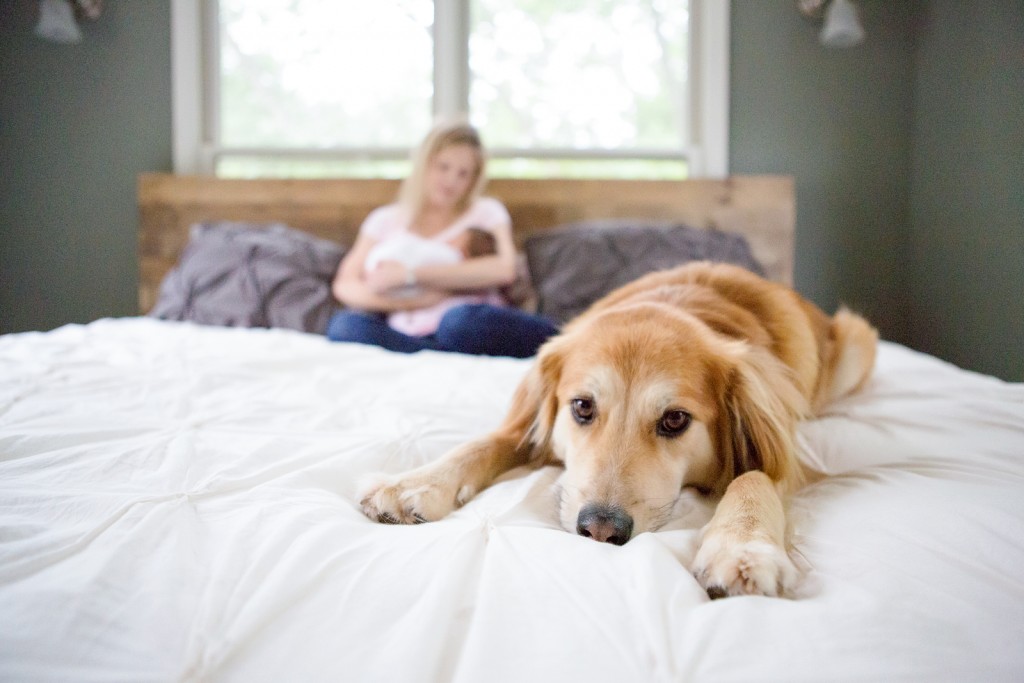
[[605, 523]]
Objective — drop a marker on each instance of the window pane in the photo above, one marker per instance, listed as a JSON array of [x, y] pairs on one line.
[[278, 167], [634, 169], [324, 73], [580, 74]]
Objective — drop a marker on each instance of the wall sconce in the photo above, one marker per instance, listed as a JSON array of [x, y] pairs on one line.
[[57, 18], [841, 26]]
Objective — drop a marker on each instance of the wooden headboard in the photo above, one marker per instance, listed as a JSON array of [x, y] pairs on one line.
[[763, 208]]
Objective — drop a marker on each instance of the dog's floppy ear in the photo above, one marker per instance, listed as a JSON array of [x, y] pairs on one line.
[[762, 406], [534, 404]]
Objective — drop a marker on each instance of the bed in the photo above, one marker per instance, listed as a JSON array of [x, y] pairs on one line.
[[178, 499]]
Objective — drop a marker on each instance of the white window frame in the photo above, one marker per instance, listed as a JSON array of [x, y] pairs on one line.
[[194, 74]]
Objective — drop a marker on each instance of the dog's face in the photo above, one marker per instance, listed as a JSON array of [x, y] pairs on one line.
[[638, 403]]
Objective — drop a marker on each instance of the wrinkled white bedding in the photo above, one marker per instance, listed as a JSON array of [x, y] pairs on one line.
[[176, 503]]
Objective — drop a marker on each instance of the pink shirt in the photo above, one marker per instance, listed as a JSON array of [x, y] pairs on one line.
[[391, 222]]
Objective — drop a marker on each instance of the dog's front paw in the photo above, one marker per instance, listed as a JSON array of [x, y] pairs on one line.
[[411, 498], [727, 566]]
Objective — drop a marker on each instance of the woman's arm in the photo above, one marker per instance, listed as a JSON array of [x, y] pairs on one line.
[[477, 273], [351, 289]]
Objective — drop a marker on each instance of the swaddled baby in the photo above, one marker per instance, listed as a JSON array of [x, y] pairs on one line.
[[413, 251]]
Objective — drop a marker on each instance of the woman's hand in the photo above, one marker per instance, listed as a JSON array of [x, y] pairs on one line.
[[388, 275]]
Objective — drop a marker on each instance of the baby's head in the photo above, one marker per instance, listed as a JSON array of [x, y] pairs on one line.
[[475, 242]]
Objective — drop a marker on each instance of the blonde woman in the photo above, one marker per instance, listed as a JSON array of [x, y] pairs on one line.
[[439, 202]]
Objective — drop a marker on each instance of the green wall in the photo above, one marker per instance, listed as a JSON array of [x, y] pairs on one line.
[[966, 231], [906, 150], [77, 124], [908, 153], [837, 120]]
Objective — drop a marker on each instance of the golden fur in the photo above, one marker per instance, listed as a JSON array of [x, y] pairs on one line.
[[695, 377]]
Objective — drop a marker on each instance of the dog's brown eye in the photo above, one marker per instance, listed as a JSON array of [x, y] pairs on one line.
[[582, 410], [674, 422]]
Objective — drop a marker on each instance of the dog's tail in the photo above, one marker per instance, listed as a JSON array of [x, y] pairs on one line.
[[849, 358]]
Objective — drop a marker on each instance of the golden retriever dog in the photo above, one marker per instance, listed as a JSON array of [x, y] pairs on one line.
[[690, 377]]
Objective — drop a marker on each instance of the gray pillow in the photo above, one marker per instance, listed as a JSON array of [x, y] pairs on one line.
[[576, 264], [251, 275]]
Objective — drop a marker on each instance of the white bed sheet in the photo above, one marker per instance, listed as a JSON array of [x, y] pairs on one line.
[[177, 503]]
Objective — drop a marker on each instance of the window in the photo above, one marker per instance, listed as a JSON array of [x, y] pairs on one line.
[[347, 87]]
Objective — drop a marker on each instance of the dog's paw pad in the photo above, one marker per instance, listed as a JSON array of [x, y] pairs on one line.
[[386, 518], [406, 500], [716, 592], [726, 568]]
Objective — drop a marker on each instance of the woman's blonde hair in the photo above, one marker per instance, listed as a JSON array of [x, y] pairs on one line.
[[446, 134]]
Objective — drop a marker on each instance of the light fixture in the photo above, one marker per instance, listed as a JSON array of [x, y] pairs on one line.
[[58, 19], [57, 22], [841, 25]]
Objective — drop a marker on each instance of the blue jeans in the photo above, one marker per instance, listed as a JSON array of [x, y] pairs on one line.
[[478, 329]]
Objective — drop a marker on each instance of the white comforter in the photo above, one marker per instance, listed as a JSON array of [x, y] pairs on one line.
[[177, 503]]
